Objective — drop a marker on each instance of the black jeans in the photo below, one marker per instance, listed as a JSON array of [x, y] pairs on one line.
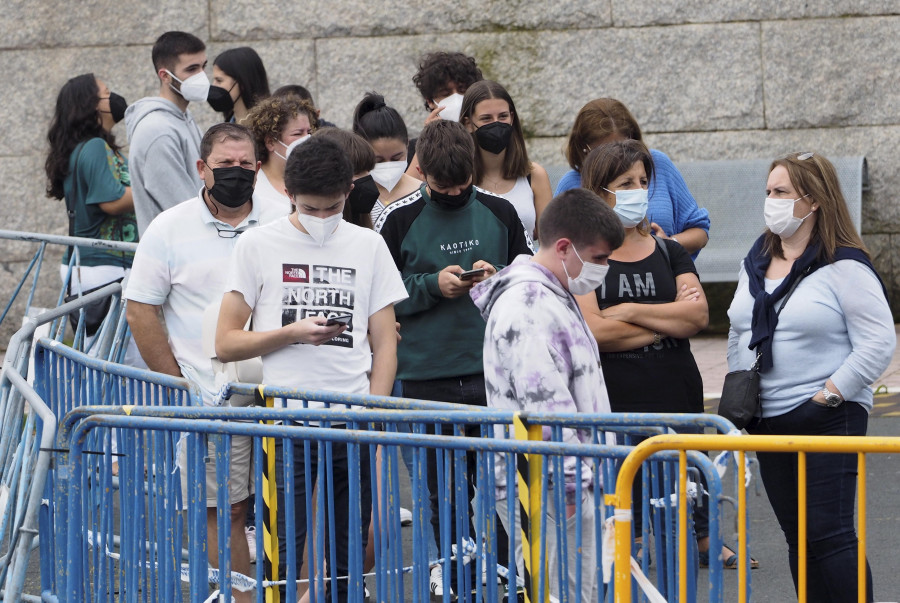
[[468, 389], [831, 492], [341, 538]]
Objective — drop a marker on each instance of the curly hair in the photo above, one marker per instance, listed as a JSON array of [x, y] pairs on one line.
[[436, 69], [268, 119]]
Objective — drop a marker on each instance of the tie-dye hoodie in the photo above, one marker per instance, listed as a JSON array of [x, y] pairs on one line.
[[539, 354]]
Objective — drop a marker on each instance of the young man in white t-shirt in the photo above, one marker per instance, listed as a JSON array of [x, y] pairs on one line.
[[292, 275]]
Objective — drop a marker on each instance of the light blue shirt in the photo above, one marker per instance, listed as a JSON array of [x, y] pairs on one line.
[[837, 325]]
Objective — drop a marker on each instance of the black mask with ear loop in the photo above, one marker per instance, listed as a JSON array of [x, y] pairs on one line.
[[220, 99], [117, 106], [363, 196]]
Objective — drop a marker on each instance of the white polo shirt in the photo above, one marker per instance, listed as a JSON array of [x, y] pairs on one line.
[[181, 264]]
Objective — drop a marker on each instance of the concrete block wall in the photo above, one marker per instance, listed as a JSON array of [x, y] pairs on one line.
[[706, 80]]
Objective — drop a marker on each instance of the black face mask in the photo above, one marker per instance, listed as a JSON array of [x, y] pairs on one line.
[[117, 106], [445, 201], [233, 187], [220, 99], [494, 137], [363, 196]]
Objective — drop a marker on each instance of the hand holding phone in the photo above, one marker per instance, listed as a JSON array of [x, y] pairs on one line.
[[470, 274], [338, 319]]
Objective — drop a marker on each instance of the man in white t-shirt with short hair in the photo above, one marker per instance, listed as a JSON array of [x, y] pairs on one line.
[[321, 292], [179, 270]]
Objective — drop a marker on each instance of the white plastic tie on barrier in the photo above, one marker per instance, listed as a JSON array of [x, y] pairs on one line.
[[659, 503], [216, 596], [609, 547], [469, 552], [4, 499], [653, 595], [721, 461], [238, 580]]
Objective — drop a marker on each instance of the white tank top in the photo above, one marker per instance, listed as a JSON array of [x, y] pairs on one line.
[[522, 198]]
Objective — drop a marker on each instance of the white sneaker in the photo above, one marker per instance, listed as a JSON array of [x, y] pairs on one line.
[[436, 583], [250, 533], [405, 517]]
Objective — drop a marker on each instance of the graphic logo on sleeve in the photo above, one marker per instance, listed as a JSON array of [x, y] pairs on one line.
[[313, 290]]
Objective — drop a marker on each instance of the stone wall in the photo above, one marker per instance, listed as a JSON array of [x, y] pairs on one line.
[[706, 80]]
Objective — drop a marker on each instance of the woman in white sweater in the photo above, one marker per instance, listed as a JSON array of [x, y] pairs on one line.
[[818, 358]]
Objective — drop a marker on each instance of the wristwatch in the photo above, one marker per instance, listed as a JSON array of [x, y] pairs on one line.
[[832, 400]]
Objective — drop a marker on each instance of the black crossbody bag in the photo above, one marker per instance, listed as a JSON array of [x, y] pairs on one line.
[[739, 402]]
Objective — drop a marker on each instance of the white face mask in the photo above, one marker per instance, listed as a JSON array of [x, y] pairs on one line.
[[780, 217], [453, 104], [591, 276], [631, 206], [320, 229], [290, 147], [193, 89], [388, 173]]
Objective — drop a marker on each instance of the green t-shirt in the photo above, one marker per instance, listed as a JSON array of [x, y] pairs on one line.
[[102, 176]]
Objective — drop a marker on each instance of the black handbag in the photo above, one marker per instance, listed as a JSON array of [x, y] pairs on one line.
[[739, 401]]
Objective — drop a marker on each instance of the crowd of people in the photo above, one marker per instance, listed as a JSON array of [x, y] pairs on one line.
[[313, 246]]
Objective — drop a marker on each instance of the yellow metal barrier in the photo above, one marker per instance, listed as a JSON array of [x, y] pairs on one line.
[[801, 445]]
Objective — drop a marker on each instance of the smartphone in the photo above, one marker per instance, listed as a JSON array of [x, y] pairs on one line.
[[470, 274], [338, 319]]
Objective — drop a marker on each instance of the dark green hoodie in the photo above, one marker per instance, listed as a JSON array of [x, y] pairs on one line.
[[444, 337]]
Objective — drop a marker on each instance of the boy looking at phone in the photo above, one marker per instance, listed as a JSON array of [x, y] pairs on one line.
[[292, 275], [435, 235]]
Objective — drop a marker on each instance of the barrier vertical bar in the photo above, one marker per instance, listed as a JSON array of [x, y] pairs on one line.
[[529, 480], [682, 525], [861, 542], [742, 527], [801, 521], [270, 503]]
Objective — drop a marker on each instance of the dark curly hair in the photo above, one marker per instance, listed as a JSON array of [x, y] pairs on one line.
[[75, 120], [436, 69], [268, 118]]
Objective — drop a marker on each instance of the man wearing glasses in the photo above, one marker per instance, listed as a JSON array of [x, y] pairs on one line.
[[179, 270]]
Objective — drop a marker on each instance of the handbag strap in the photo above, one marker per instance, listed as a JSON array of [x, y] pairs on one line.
[[70, 207], [787, 296]]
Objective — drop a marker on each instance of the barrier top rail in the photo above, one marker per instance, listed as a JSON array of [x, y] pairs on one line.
[[39, 237], [622, 498], [250, 418], [544, 418]]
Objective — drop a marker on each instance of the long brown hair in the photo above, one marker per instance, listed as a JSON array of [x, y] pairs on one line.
[[515, 162], [812, 174]]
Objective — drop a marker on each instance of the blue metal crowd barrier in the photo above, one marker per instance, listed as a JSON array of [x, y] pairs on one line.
[[390, 570], [70, 379], [110, 341], [387, 569]]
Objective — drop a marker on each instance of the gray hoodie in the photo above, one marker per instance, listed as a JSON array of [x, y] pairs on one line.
[[164, 149], [539, 354]]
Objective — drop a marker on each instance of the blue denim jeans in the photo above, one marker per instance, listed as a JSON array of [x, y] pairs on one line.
[[831, 492], [406, 453], [468, 389]]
